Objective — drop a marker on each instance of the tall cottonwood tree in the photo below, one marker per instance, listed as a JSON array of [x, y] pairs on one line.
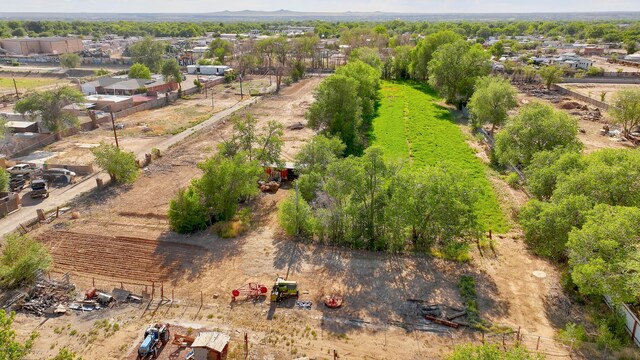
[[491, 101], [454, 69], [49, 106]]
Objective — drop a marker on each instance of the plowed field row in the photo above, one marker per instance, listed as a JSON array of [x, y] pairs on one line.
[[116, 257]]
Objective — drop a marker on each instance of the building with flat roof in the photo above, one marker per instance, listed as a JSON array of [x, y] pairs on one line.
[[47, 45]]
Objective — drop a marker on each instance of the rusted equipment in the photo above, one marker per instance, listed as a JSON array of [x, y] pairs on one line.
[[333, 301], [250, 291], [442, 321], [271, 186], [183, 340]]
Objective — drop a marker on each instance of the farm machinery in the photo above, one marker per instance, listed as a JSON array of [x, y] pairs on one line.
[[283, 289], [155, 337], [250, 291]]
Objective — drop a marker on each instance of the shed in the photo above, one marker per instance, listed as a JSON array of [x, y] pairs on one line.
[[210, 346], [22, 126]]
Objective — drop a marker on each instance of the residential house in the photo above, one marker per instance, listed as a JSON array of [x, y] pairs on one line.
[[128, 87]]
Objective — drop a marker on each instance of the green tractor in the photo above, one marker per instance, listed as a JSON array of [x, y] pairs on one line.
[[283, 289]]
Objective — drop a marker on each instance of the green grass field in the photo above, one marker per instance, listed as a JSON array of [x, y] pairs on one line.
[[6, 83], [410, 125]]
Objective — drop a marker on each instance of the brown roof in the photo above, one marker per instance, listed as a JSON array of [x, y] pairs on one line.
[[211, 340]]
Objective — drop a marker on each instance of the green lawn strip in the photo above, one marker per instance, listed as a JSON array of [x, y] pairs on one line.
[[26, 83], [435, 140], [389, 134]]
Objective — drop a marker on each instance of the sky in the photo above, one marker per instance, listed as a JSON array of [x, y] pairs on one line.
[[405, 6]]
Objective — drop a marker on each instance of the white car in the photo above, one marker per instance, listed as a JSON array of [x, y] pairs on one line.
[[21, 169]]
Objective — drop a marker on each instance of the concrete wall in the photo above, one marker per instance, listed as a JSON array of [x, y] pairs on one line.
[[9, 202], [78, 169]]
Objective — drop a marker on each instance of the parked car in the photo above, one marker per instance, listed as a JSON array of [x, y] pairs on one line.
[[21, 169], [59, 175], [39, 188]]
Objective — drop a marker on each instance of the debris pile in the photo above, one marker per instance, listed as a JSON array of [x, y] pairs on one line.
[[304, 304], [43, 297]]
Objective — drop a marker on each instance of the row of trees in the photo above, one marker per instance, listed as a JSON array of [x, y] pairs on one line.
[[586, 208], [386, 33], [228, 177], [369, 203]]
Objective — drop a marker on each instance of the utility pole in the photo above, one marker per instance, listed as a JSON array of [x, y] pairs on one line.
[[297, 212], [113, 124], [16, 87]]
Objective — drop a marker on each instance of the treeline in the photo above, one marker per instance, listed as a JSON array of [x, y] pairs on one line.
[[586, 207], [607, 31], [370, 203]]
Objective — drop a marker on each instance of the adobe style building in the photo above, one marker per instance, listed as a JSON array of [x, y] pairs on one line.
[[50, 45]]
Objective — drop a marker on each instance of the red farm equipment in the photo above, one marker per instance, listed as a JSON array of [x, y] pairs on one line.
[[250, 291]]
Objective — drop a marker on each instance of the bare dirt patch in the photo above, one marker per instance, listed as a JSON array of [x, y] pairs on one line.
[[595, 91]]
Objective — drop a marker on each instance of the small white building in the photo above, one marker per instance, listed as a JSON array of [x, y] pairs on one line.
[[210, 346], [207, 69]]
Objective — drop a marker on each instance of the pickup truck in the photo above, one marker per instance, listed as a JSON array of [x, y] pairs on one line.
[[39, 188], [17, 183], [21, 169]]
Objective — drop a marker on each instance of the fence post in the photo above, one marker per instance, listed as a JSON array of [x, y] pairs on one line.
[[201, 299], [538, 343], [93, 281]]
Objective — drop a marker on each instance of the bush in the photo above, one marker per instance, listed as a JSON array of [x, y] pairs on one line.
[[186, 212], [595, 71], [229, 77], [467, 287], [513, 180], [296, 220], [121, 165], [65, 354], [101, 72], [573, 334], [22, 257], [4, 179], [491, 352]]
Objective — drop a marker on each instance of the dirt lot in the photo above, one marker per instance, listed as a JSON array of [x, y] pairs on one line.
[[122, 235], [594, 91], [144, 130], [590, 126], [609, 67]]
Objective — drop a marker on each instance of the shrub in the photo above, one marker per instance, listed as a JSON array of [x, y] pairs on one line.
[[513, 180], [121, 165], [491, 352], [186, 212], [573, 334], [296, 219], [467, 287], [4, 178], [22, 257]]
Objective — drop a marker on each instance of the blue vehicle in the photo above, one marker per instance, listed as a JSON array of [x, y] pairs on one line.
[[155, 337]]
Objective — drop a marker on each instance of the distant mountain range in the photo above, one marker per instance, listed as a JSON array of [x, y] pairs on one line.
[[286, 15]]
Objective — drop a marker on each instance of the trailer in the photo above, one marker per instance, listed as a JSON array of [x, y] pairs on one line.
[[219, 70]]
